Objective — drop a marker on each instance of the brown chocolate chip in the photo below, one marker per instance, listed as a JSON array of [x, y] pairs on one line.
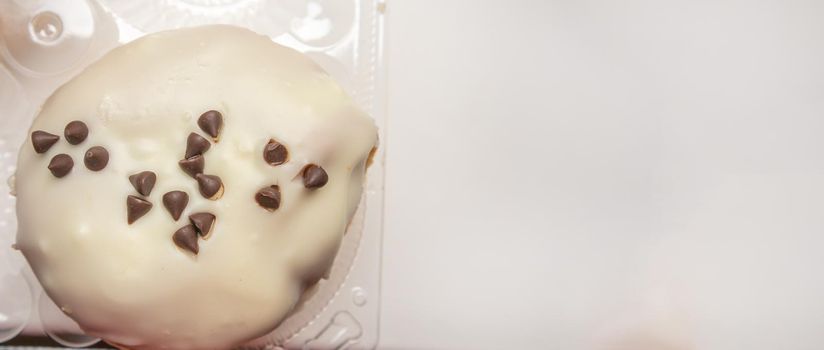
[[42, 141], [143, 182], [203, 223], [175, 202], [136, 207], [314, 176], [196, 144], [61, 164], [96, 158], [210, 186], [76, 132], [275, 153], [186, 238], [193, 165], [268, 197], [211, 123]]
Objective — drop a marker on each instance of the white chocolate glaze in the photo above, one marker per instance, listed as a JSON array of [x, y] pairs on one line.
[[130, 284]]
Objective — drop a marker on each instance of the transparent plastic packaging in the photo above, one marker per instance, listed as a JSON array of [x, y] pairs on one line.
[[43, 43]]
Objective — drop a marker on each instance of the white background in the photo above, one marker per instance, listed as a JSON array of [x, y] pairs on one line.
[[638, 174]]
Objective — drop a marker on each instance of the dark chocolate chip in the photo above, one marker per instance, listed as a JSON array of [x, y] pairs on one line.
[[42, 141], [175, 202], [275, 153], [143, 182], [76, 132], [210, 186], [96, 158], [196, 144], [211, 123], [136, 207], [314, 176], [268, 197], [186, 238], [193, 165], [61, 164], [203, 223]]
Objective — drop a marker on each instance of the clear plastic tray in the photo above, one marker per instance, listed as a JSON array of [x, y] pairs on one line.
[[44, 43]]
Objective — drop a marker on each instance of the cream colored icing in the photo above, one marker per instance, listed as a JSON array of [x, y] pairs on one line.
[[130, 284]]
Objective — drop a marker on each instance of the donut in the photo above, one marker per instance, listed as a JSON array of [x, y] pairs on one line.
[[184, 190]]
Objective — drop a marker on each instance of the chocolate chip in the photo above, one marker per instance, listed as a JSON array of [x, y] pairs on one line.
[[203, 223], [210, 186], [275, 153], [193, 165], [314, 176], [42, 141], [268, 197], [61, 164], [186, 238], [136, 207], [143, 182], [196, 144], [175, 202], [211, 123], [76, 132], [96, 158]]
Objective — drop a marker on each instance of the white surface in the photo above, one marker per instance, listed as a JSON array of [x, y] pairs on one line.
[[605, 175]]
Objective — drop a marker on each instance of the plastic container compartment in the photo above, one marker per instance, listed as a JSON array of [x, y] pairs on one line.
[[44, 43]]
